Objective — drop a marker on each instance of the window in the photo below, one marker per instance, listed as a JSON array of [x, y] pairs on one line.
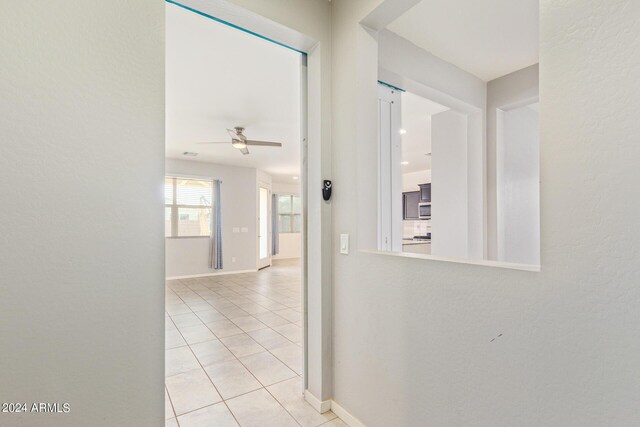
[[187, 207], [289, 214]]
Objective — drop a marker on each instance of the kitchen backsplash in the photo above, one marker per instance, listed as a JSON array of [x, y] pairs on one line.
[[416, 228]]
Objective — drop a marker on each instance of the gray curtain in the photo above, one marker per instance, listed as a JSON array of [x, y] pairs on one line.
[[215, 242], [275, 240]]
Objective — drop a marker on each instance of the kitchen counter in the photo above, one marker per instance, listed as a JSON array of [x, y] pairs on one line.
[[409, 241], [416, 246]]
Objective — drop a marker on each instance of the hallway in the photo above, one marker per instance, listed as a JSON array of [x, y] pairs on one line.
[[234, 351]]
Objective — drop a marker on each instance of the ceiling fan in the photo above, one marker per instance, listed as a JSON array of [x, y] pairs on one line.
[[239, 141]]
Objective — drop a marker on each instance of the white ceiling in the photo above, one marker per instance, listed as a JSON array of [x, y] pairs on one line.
[[416, 121], [218, 77], [488, 38]]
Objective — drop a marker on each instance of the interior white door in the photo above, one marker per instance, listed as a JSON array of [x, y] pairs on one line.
[[264, 225]]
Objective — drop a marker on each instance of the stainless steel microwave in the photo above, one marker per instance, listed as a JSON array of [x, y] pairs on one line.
[[424, 210]]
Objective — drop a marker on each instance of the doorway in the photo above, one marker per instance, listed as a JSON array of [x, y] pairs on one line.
[[264, 228], [228, 327]]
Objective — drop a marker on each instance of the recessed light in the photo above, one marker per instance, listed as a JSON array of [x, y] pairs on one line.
[[189, 153], [404, 163], [295, 177], [403, 131]]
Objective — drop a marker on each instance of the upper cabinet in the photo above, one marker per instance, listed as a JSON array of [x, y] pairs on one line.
[[410, 202], [425, 193]]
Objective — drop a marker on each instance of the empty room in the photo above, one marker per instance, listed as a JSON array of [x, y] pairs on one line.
[[266, 213]]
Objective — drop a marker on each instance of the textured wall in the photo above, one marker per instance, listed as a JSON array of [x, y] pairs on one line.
[[421, 342], [81, 246]]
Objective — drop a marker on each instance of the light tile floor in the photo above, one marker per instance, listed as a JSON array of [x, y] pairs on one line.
[[233, 351]]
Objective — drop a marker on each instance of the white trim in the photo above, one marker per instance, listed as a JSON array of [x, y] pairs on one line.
[[345, 416], [484, 263], [321, 406], [222, 273], [276, 258]]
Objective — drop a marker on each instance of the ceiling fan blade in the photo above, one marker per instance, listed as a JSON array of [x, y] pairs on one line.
[[263, 143], [213, 142], [235, 135], [244, 150]]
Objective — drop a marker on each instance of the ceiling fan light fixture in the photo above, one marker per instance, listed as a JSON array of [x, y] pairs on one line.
[[238, 144]]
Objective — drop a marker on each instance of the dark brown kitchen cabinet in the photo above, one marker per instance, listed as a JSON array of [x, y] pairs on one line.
[[410, 202], [425, 193]]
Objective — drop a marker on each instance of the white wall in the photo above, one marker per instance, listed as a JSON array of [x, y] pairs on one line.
[[289, 246], [505, 92], [449, 186], [403, 64], [460, 344], [518, 186], [189, 256], [283, 188], [81, 173], [411, 180]]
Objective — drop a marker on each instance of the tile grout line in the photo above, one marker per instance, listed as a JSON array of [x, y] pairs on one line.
[[205, 372], [171, 403], [241, 394], [228, 349], [243, 331], [248, 370], [238, 359]]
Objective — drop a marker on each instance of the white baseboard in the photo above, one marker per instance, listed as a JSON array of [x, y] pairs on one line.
[[276, 258], [345, 416], [321, 406], [221, 273]]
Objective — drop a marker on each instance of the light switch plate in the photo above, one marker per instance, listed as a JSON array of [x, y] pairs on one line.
[[245, 229], [236, 229], [344, 244]]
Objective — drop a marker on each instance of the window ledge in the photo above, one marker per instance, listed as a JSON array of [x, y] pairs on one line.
[[483, 263]]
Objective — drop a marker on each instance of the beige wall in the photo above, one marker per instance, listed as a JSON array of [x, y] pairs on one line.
[[414, 342], [81, 246], [424, 342]]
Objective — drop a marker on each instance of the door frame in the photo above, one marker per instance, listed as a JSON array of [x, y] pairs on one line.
[[317, 239]]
